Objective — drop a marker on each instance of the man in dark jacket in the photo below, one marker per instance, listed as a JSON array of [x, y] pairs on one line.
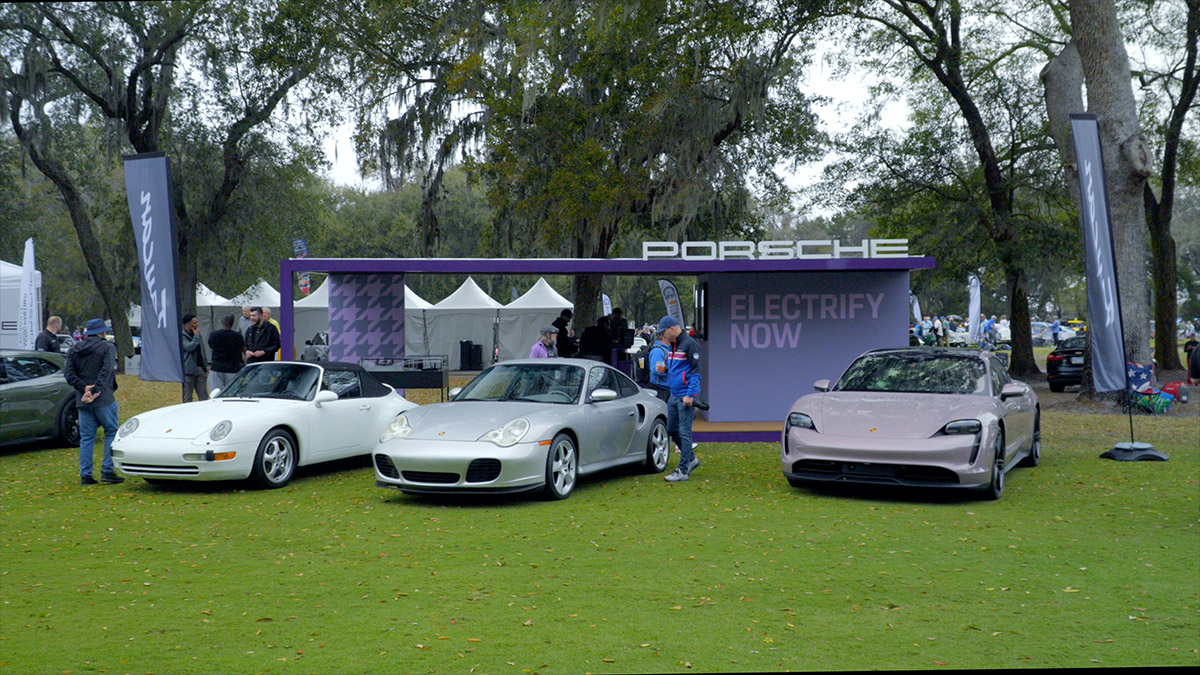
[[91, 369], [262, 339], [195, 363], [683, 376], [47, 340], [564, 343], [228, 350], [596, 340]]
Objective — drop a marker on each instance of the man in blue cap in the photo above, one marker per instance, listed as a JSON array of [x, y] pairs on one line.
[[91, 369], [683, 377]]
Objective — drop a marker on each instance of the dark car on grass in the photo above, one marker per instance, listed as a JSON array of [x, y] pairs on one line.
[[1064, 365], [35, 400]]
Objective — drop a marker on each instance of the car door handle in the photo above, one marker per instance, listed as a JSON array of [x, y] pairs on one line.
[[364, 407], [632, 414]]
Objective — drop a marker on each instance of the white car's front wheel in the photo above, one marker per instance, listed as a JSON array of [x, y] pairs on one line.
[[275, 461], [562, 466]]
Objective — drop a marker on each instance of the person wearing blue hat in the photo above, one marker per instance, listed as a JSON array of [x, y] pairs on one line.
[[90, 368], [683, 377]]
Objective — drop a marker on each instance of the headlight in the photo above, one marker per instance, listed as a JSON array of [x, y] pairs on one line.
[[221, 430], [509, 434], [800, 420], [962, 427], [129, 427], [398, 428]]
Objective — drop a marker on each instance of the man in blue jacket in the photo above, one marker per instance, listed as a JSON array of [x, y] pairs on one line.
[[683, 376]]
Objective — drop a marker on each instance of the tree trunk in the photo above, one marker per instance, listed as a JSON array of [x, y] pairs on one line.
[[1166, 277], [1022, 361], [1126, 160]]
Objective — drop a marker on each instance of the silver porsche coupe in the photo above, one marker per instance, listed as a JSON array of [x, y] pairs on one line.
[[924, 416], [525, 425]]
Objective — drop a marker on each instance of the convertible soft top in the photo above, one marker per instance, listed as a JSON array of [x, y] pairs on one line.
[[371, 387]]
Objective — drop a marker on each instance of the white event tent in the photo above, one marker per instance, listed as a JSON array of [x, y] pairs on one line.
[[415, 343], [311, 316], [466, 314], [10, 302], [209, 308], [521, 320]]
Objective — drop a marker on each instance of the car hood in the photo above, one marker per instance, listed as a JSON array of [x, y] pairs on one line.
[[889, 415], [468, 420], [189, 420]]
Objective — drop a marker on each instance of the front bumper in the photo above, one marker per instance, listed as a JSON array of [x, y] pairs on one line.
[[427, 466], [939, 461], [165, 459]]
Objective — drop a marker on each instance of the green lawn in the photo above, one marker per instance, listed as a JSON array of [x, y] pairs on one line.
[[1084, 562]]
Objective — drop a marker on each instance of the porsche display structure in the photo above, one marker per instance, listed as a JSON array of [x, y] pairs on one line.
[[768, 327]]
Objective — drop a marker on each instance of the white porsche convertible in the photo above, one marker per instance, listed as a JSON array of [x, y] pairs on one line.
[[274, 417]]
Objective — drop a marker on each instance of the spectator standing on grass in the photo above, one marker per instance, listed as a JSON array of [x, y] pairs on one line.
[[195, 363], [228, 347], [1055, 327], [683, 376], [563, 343], [47, 340], [262, 338], [244, 321], [90, 368], [544, 347]]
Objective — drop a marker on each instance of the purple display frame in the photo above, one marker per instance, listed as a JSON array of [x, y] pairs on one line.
[[606, 266]]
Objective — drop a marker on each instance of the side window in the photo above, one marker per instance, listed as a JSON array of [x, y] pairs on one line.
[[627, 386], [344, 383], [999, 377], [32, 367], [595, 378]]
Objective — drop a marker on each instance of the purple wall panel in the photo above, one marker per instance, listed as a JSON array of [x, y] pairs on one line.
[[772, 335], [366, 316]]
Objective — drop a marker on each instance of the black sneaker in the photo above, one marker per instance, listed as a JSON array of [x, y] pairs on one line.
[[111, 478], [87, 480]]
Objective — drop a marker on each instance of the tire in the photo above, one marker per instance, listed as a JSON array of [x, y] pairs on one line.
[[658, 448], [68, 423], [1057, 387], [275, 461], [995, 488], [1035, 447], [562, 468]]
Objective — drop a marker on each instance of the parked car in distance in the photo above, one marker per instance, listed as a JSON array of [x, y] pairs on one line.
[[1064, 365], [65, 341], [1043, 337], [316, 349], [35, 400], [274, 416], [525, 425], [923, 417]]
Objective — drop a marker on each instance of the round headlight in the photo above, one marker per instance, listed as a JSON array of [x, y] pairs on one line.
[[221, 430], [398, 428], [129, 427], [509, 434]]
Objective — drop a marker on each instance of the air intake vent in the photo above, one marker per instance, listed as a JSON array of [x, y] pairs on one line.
[[483, 471], [384, 464]]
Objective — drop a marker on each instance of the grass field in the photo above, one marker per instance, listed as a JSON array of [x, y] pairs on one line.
[[1084, 562]]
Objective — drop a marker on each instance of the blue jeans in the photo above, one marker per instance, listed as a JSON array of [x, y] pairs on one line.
[[89, 420], [679, 427]]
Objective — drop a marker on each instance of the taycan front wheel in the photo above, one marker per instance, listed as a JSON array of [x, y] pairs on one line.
[[995, 487]]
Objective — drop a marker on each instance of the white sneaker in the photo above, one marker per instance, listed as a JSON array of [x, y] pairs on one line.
[[677, 476]]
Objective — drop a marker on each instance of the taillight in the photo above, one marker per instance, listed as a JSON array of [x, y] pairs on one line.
[[1055, 357]]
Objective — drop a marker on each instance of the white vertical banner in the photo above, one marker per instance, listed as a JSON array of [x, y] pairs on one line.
[[671, 300], [973, 309], [607, 304], [916, 307], [29, 317]]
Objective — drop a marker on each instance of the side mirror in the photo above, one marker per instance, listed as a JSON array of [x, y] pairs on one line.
[[214, 393], [324, 396], [455, 392], [1012, 389], [601, 395], [821, 385]]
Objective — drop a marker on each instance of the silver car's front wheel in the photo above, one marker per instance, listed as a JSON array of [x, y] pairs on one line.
[[275, 461], [658, 448], [562, 466], [995, 488]]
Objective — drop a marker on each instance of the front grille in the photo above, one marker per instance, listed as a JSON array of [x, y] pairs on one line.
[[384, 464], [873, 472], [435, 477], [159, 470], [483, 470]]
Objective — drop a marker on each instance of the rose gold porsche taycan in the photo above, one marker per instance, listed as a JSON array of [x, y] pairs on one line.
[[925, 417]]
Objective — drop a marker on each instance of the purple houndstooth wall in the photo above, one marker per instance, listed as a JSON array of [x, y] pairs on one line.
[[366, 316]]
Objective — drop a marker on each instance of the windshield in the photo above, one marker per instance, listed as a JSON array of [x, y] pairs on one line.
[[275, 380], [545, 383], [916, 372]]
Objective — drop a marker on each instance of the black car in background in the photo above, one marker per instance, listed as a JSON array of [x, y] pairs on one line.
[[1064, 365], [35, 400]]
